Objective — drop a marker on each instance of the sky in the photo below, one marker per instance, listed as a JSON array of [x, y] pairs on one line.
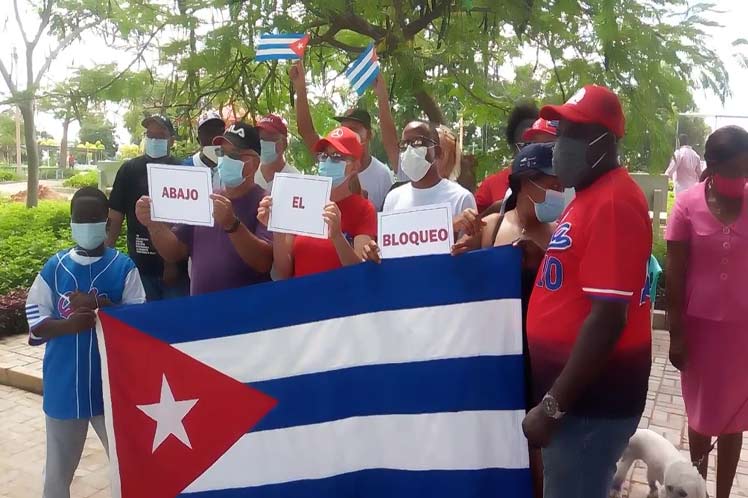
[[731, 15]]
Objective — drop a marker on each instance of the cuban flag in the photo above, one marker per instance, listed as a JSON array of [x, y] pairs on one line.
[[397, 380], [276, 47], [362, 71]]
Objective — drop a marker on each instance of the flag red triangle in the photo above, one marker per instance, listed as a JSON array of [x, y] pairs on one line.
[[299, 47], [225, 410]]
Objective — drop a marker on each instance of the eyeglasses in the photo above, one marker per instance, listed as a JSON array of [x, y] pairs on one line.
[[336, 157], [244, 156], [417, 142]]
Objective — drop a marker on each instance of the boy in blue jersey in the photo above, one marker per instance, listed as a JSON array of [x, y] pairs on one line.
[[60, 310]]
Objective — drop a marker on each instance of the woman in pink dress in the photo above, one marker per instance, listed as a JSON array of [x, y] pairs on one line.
[[707, 267]]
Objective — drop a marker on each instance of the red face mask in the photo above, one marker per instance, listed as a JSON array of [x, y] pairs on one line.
[[732, 188]]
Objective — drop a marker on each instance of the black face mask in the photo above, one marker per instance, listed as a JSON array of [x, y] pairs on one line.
[[570, 162]]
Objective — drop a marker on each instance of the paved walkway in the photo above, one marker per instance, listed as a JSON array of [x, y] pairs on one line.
[[22, 429]]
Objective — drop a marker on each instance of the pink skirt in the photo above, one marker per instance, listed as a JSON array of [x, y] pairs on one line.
[[715, 380]]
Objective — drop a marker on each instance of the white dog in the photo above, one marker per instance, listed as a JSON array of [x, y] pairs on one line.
[[665, 465]]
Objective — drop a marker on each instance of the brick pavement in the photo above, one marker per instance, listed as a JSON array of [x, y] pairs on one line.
[[22, 429]]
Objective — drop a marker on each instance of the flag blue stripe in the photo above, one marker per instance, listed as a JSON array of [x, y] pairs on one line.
[[362, 89], [281, 35], [358, 60], [378, 483], [276, 57], [363, 288], [272, 46], [405, 388]]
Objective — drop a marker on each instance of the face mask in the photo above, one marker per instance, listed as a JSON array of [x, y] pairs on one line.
[[230, 171], [414, 163], [268, 154], [156, 147], [570, 161], [551, 208], [732, 188], [89, 236], [569, 195], [209, 151], [332, 169]]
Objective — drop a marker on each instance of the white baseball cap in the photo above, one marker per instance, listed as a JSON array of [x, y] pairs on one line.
[[208, 116]]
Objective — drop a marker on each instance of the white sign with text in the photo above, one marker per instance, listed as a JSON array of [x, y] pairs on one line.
[[298, 203], [416, 232], [180, 194]]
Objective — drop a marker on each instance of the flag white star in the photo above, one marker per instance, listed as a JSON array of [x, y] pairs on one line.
[[168, 415]]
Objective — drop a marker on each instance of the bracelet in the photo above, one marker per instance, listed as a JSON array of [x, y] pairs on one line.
[[234, 226]]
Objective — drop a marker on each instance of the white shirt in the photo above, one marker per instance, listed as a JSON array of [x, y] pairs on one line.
[[407, 196], [685, 169], [268, 185], [377, 181]]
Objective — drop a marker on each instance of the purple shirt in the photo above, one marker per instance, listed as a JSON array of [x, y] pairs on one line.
[[216, 265]]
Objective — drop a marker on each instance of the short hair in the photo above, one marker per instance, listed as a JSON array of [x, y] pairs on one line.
[[209, 130], [431, 126], [683, 139], [90, 193], [725, 143], [521, 113]]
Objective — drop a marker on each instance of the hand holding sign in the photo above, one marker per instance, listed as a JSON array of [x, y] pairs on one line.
[[223, 211], [263, 211], [300, 206], [143, 211]]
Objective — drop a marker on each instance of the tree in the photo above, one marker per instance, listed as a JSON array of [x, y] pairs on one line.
[[61, 22], [8, 136], [96, 129], [446, 59]]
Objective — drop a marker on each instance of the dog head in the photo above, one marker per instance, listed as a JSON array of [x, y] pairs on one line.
[[682, 480]]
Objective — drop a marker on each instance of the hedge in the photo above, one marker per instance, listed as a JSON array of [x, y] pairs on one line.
[[84, 179]]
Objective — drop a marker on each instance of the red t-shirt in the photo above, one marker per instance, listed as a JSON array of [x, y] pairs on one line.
[[493, 188], [357, 217], [600, 250]]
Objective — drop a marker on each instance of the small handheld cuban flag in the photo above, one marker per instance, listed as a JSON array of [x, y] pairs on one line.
[[276, 47], [362, 72]]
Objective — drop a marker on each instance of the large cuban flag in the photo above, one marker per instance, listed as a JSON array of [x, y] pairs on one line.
[[397, 380]]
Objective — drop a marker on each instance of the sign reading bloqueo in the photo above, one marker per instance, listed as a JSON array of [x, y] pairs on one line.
[[416, 232]]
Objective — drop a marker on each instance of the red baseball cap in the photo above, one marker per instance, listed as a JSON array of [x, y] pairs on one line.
[[592, 104], [541, 127], [274, 123], [343, 140]]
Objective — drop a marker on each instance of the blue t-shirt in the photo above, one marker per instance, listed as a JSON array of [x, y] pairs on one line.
[[72, 367]]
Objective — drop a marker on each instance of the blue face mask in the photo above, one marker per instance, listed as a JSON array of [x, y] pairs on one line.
[[551, 208], [333, 169], [156, 148], [230, 171], [88, 236], [268, 154]]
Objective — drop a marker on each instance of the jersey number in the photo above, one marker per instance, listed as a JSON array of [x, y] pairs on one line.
[[552, 274]]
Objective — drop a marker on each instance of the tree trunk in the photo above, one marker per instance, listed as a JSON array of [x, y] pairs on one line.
[[32, 152], [63, 159]]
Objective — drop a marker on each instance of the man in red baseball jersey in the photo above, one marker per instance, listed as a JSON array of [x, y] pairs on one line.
[[588, 325]]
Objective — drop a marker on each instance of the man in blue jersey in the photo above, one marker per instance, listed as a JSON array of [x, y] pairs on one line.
[[60, 310]]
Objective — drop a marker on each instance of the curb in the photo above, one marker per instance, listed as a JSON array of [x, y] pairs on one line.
[[21, 378]]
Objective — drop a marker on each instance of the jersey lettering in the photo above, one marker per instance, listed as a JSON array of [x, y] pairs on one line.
[[552, 274], [561, 239]]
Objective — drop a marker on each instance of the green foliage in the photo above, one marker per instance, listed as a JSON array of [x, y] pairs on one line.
[[183, 149], [83, 179], [95, 129], [7, 176]]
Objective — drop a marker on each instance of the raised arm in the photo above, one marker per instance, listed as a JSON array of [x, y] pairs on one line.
[[387, 124], [303, 115]]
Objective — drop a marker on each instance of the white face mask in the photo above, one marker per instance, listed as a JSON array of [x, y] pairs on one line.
[[414, 163], [210, 152]]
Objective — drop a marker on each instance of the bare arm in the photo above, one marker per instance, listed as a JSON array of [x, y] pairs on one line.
[[350, 255], [115, 227], [387, 124], [257, 253], [167, 244], [282, 256], [597, 339], [303, 115]]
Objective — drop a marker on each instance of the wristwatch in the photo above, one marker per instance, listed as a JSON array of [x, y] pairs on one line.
[[234, 226], [550, 407]]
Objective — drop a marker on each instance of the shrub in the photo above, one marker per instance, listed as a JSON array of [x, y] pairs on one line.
[[85, 179], [7, 176], [13, 312]]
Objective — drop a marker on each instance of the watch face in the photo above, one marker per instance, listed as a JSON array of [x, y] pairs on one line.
[[550, 406]]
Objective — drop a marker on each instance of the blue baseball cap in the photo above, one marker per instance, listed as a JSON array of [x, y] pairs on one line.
[[534, 158]]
